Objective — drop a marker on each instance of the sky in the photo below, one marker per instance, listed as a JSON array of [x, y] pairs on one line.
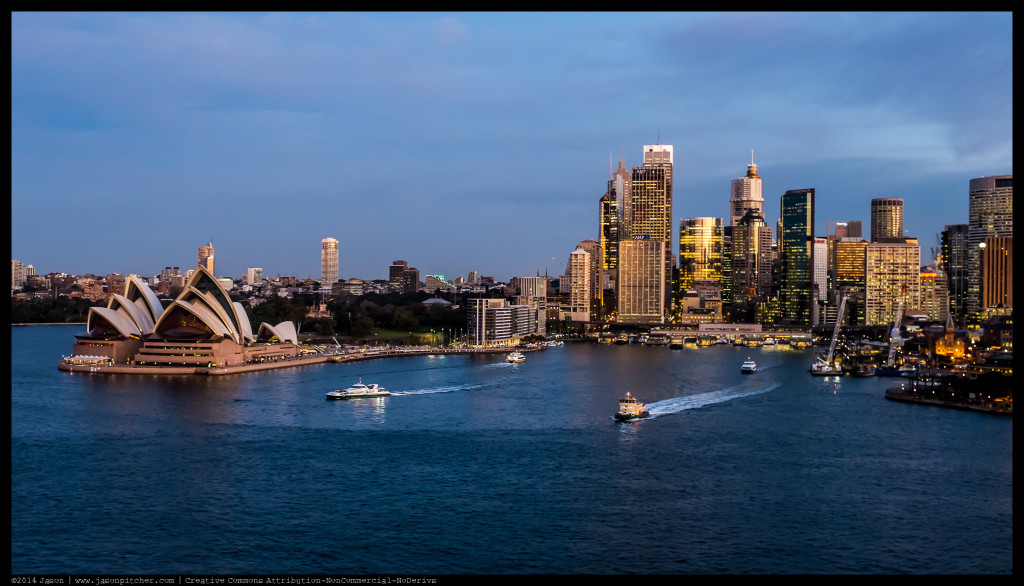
[[476, 141]]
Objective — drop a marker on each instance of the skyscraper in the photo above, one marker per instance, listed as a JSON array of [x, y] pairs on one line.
[[954, 243], [642, 287], [396, 274], [886, 218], [579, 286], [892, 275], [648, 217], [751, 257], [990, 213], [596, 290], [996, 272], [746, 194], [700, 253], [609, 229], [206, 257], [797, 250], [328, 262]]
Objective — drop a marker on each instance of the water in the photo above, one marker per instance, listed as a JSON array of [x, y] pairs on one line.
[[478, 466]]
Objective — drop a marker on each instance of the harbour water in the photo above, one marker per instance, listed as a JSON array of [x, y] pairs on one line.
[[478, 466]]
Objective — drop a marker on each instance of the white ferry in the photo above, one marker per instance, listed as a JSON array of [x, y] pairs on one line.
[[749, 367], [515, 357], [359, 391]]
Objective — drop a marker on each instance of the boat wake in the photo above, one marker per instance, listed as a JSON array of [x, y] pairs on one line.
[[451, 389], [677, 404]]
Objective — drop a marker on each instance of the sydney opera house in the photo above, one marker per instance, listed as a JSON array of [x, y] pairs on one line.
[[202, 327]]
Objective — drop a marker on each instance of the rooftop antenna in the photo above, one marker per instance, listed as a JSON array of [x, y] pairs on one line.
[[751, 156]]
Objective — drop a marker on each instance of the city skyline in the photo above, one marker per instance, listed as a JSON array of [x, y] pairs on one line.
[[477, 141]]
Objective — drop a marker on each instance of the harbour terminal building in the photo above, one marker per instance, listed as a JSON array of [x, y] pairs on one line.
[[202, 327]]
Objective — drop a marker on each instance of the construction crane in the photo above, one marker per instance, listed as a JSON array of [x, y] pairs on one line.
[[894, 335], [826, 367]]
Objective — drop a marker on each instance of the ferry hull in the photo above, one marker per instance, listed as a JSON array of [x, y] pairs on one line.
[[629, 416]]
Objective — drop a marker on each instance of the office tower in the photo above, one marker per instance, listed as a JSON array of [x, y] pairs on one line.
[[328, 262], [206, 257], [727, 266], [396, 275], [821, 268], [751, 257], [746, 194], [17, 274], [990, 213], [473, 277], [596, 289], [996, 272], [796, 244], [609, 229], [700, 253], [533, 287], [254, 275], [848, 257], [648, 216], [892, 274], [579, 273], [954, 243], [411, 280], [934, 294], [642, 287], [886, 218]]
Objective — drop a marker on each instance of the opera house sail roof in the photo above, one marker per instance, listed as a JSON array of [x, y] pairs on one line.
[[203, 311]]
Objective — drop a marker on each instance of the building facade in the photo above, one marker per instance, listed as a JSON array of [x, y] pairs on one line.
[[796, 244], [892, 277], [642, 282], [746, 194], [701, 242], [328, 262], [886, 218], [206, 259], [495, 323], [954, 243], [990, 214], [751, 267]]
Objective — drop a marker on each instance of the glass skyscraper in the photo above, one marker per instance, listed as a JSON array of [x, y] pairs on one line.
[[797, 248]]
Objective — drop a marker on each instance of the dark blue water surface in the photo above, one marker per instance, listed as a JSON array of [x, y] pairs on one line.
[[496, 468]]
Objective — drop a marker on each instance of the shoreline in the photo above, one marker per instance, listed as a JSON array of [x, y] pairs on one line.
[[290, 363], [909, 396]]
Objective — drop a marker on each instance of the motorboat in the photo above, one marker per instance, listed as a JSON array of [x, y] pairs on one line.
[[749, 366], [359, 391], [515, 357], [631, 408]]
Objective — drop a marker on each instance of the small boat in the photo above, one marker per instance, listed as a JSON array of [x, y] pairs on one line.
[[631, 408], [622, 339], [359, 391], [749, 367], [515, 357]]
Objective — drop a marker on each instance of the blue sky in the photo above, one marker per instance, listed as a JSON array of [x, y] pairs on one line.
[[475, 141]]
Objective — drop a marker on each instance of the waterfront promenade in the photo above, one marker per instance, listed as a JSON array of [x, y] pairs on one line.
[[303, 360]]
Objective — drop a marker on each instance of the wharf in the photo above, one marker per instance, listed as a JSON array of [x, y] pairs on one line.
[[915, 396], [305, 360]]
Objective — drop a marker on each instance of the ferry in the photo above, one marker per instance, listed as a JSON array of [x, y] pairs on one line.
[[515, 357], [631, 408], [749, 367], [359, 391]]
